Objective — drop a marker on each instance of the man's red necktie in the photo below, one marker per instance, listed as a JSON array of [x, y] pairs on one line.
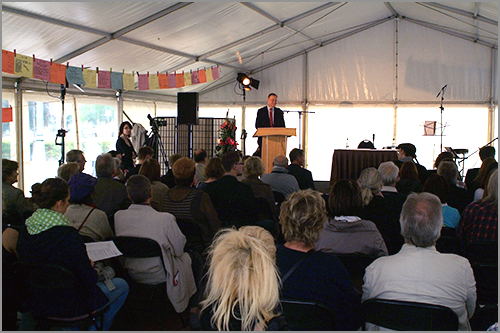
[[271, 116]]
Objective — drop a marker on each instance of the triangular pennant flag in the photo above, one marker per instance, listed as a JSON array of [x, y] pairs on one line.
[[23, 66], [90, 78], [57, 73], [41, 69], [128, 81], [7, 62]]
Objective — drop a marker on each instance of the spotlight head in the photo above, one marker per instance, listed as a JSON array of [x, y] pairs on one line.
[[247, 82], [243, 79]]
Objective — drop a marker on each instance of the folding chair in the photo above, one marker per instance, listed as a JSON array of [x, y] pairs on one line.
[[409, 316], [303, 315], [45, 279]]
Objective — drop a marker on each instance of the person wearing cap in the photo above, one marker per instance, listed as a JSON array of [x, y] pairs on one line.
[[82, 213], [407, 152]]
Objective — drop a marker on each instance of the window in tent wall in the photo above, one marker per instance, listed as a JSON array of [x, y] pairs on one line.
[[466, 127], [41, 122], [9, 128], [332, 127], [97, 129]]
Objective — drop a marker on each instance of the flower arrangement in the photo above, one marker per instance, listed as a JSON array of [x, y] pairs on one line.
[[227, 139]]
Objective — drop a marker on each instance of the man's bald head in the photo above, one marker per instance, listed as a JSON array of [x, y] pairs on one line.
[[280, 161]]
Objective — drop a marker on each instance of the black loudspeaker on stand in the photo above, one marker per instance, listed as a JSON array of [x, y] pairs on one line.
[[187, 108]]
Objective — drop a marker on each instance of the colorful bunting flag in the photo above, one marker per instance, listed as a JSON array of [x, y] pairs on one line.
[[179, 80], [7, 115], [172, 82], [90, 78], [153, 82], [209, 74], [187, 79], [128, 81], [23, 65], [116, 80], [163, 81], [103, 79], [143, 81], [7, 62], [215, 72], [74, 75], [57, 73], [41, 69], [202, 75]]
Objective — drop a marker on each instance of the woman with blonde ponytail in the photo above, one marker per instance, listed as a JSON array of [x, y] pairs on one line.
[[370, 182]]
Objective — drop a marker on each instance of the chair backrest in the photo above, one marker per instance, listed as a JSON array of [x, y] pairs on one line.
[[193, 233], [483, 257], [279, 197], [303, 315], [409, 316], [355, 265], [482, 252], [448, 242], [137, 247], [264, 211]]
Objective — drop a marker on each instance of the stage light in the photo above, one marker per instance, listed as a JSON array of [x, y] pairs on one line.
[[247, 82]]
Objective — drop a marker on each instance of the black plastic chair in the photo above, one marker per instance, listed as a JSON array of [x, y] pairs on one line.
[[355, 265], [194, 236], [38, 279], [409, 316], [448, 242], [303, 315], [483, 257]]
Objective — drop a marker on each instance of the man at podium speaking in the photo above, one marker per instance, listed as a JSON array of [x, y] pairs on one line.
[[268, 116]]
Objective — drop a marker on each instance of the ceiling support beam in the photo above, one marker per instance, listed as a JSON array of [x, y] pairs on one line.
[[451, 32], [462, 12], [393, 11]]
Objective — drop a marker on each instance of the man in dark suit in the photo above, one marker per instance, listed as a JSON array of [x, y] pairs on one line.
[[407, 152], [269, 116], [233, 201], [296, 169]]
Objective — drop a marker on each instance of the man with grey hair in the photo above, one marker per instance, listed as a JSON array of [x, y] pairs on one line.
[[143, 221], [76, 155], [279, 179], [419, 273], [110, 194]]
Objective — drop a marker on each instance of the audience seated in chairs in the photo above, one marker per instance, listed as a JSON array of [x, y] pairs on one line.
[[459, 197], [345, 232], [67, 170], [408, 179], [437, 185], [110, 195], [484, 153], [252, 170], [313, 275], [481, 181], [186, 202], [298, 170], [141, 220], [233, 200], [233, 283], [213, 171], [50, 239], [82, 214], [168, 178], [243, 283], [279, 179], [479, 221], [418, 273], [13, 198], [151, 169], [381, 210]]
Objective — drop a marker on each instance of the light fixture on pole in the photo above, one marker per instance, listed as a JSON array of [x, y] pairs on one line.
[[247, 82]]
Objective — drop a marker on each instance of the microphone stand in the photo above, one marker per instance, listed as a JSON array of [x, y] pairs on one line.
[[61, 133], [300, 123], [441, 92]]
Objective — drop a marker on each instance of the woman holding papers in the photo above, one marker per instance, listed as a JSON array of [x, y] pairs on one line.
[[49, 238]]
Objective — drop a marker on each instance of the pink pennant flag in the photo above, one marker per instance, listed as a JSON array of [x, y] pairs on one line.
[[215, 72], [143, 81], [194, 77], [41, 69], [172, 80], [104, 79]]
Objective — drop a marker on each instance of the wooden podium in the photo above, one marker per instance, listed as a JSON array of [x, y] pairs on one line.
[[273, 143]]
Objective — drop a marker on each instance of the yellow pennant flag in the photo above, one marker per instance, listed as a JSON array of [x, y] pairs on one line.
[[153, 82], [187, 78], [208, 72], [90, 77], [128, 81], [23, 65]]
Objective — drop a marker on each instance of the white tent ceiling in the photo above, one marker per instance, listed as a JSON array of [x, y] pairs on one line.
[[252, 37]]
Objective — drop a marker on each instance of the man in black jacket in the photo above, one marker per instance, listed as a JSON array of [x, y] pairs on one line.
[[269, 116], [296, 169]]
